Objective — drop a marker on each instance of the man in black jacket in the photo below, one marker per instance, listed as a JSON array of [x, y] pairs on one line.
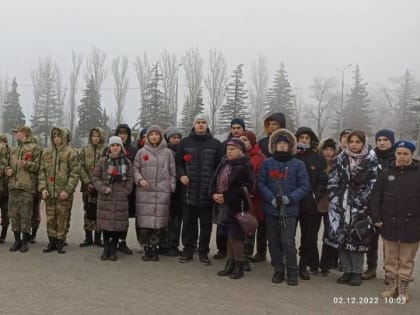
[[271, 123], [197, 158], [309, 217], [385, 152]]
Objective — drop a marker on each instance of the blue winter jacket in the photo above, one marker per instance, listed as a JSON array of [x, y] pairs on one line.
[[295, 184]]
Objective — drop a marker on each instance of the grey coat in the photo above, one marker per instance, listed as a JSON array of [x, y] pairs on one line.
[[157, 167], [112, 213]]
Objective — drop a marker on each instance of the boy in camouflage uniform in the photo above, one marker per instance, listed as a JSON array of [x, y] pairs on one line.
[[89, 157], [4, 194], [22, 171], [58, 178]]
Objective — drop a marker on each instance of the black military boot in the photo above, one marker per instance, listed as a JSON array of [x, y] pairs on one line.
[[146, 253], [228, 268], [16, 245], [88, 239], [154, 254], [107, 249], [32, 238], [113, 249], [97, 239], [3, 233], [25, 240], [60, 246], [51, 246], [238, 270], [345, 278], [292, 278]]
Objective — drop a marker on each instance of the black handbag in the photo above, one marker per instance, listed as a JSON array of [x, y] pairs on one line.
[[92, 205], [363, 230]]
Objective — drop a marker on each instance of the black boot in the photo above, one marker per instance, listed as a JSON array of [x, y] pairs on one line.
[[238, 270], [16, 245], [88, 239], [228, 268], [3, 233], [304, 274], [123, 248], [60, 246], [154, 253], [278, 277], [204, 258], [32, 238], [292, 279], [345, 278], [25, 240], [356, 279], [97, 239], [51, 246], [146, 253], [107, 248], [113, 249], [247, 264]]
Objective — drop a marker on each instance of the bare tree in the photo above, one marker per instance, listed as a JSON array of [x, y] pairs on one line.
[[169, 68], [119, 72], [257, 93], [61, 96], [325, 97], [216, 81], [77, 60], [96, 67], [193, 68], [144, 75]]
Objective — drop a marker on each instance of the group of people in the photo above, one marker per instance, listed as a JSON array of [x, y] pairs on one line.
[[177, 188]]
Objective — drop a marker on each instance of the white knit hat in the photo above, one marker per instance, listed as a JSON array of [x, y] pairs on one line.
[[201, 117], [115, 140]]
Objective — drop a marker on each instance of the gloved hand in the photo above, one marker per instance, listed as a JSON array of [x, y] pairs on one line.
[[285, 200], [274, 202]]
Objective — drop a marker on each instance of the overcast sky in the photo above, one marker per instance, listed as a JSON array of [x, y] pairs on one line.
[[313, 38]]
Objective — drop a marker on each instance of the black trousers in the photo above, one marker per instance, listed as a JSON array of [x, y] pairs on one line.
[[310, 224], [190, 216], [372, 254], [329, 255], [221, 240]]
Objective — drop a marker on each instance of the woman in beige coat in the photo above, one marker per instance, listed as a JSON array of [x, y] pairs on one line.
[[155, 177]]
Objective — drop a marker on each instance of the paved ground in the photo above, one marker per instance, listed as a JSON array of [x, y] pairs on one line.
[[79, 283]]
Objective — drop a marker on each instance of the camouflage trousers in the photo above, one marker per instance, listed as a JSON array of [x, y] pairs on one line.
[[152, 237], [89, 225], [36, 215], [58, 217], [20, 210], [4, 206]]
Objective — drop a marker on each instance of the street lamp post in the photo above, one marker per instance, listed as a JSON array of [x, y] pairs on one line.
[[342, 96]]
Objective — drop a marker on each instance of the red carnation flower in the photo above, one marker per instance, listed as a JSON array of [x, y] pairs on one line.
[[51, 179], [276, 174], [187, 158], [115, 173], [27, 156], [146, 157], [142, 142]]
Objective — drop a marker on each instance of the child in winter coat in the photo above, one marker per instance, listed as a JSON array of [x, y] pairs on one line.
[[283, 182], [233, 173], [113, 179], [395, 208], [350, 187], [155, 177]]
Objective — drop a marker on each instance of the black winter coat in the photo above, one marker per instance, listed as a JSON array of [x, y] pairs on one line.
[[385, 158], [206, 153], [241, 175], [316, 167], [396, 203]]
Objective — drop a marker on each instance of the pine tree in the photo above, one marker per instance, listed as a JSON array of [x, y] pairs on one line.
[[236, 96], [406, 108], [280, 97], [190, 110], [47, 109], [90, 112], [356, 110], [154, 107], [12, 115]]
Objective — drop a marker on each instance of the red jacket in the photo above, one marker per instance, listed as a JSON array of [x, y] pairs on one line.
[[257, 157]]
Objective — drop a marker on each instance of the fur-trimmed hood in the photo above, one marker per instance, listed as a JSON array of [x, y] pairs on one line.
[[101, 133], [279, 117], [289, 135]]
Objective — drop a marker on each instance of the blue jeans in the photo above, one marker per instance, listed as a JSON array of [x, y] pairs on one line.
[[281, 242]]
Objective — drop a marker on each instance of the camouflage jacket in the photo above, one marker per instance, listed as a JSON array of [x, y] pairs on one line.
[[89, 157], [4, 160], [60, 167], [24, 177]]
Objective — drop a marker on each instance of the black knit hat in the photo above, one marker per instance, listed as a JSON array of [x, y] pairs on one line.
[[329, 143]]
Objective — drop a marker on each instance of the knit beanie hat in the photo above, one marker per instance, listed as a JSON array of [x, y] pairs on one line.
[[405, 144], [172, 131], [115, 140], [250, 135], [387, 133], [201, 117], [237, 143], [282, 138], [329, 143], [238, 121]]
